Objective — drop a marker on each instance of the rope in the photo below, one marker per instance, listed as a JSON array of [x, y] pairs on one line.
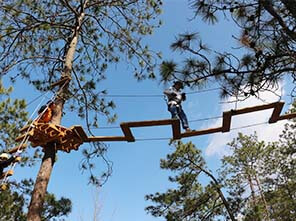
[[205, 119], [164, 138], [251, 125], [26, 137], [153, 95], [116, 127], [154, 139], [35, 99]]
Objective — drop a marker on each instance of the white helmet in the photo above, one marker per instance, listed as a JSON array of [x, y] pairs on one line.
[[4, 156]]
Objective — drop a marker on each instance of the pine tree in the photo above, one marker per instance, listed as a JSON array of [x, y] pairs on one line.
[[44, 41], [242, 172], [260, 178], [190, 200], [267, 53], [255, 182], [14, 202], [12, 117]]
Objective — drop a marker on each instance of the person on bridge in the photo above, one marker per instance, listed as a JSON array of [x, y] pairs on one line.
[[175, 96]]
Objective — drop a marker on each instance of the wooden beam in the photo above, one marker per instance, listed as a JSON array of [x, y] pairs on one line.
[[6, 174], [226, 121], [81, 133], [15, 149], [202, 132], [106, 138], [21, 137], [276, 112], [127, 132], [25, 128], [60, 82], [287, 116], [150, 123], [176, 129], [252, 109]]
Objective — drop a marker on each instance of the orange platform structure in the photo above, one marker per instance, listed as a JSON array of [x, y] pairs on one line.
[[41, 134]]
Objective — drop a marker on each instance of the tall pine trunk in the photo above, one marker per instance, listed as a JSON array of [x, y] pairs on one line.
[[263, 198], [43, 177], [219, 191]]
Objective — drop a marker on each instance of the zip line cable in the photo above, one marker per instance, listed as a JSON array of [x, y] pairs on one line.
[[205, 119]]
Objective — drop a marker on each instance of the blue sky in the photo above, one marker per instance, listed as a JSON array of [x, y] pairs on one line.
[[136, 169]]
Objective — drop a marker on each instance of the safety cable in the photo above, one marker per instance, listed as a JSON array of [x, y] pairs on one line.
[[205, 119], [153, 95], [35, 99], [116, 127], [26, 137], [164, 138], [251, 125], [160, 138]]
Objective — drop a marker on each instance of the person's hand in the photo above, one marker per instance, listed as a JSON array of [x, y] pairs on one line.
[[183, 96]]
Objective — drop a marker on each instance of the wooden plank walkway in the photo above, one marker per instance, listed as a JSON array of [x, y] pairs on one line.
[[68, 139], [176, 131]]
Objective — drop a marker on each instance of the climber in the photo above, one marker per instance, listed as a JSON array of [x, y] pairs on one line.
[[7, 159], [174, 100], [46, 112]]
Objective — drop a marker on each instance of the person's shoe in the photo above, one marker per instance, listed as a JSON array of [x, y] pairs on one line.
[[188, 129]]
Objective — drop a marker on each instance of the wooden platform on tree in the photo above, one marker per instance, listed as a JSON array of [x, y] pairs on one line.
[[41, 134]]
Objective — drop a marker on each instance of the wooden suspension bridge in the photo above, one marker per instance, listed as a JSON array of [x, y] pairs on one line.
[[67, 139]]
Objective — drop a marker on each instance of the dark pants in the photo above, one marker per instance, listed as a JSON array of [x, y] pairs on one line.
[[177, 112], [5, 163]]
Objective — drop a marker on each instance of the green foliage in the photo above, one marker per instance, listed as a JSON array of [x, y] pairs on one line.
[[55, 208], [12, 117], [14, 203], [11, 206], [35, 37], [190, 200], [266, 55], [38, 45], [258, 178], [241, 172], [261, 177]]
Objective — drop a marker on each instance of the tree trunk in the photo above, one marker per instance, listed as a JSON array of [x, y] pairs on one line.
[[290, 6], [252, 188], [42, 180], [268, 6], [219, 191], [37, 200], [262, 197]]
